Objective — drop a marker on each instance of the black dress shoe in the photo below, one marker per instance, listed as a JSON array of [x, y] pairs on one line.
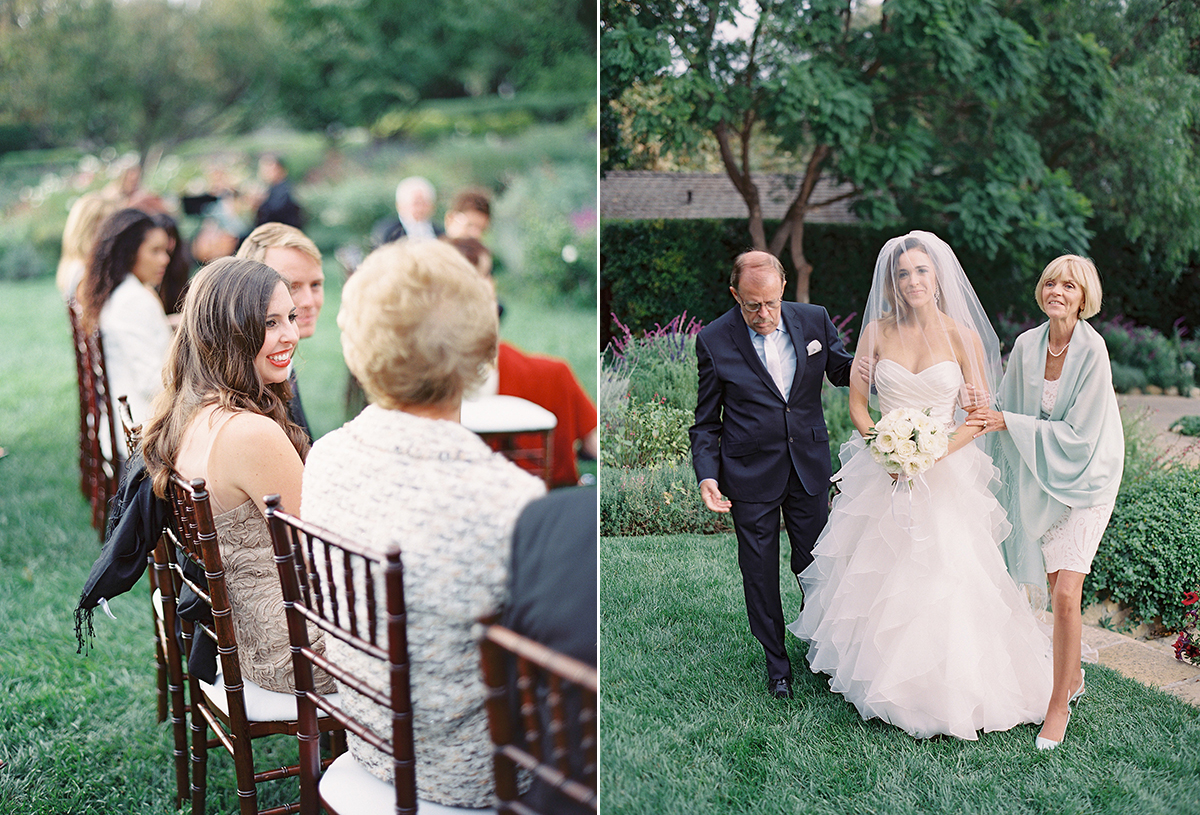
[[780, 688]]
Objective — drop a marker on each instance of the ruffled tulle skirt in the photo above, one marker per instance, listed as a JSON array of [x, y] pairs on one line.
[[909, 608]]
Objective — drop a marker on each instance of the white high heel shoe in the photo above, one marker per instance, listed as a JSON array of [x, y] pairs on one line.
[[1042, 743], [1082, 688]]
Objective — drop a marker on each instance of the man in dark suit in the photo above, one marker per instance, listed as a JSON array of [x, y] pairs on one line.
[[278, 206], [553, 599], [759, 443], [415, 201]]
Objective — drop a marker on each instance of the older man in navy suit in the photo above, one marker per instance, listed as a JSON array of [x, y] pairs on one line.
[[759, 443]]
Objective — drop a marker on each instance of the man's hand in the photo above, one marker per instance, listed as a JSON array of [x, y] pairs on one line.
[[863, 368], [712, 496]]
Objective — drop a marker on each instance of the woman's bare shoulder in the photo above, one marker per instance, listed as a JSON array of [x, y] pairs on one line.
[[245, 427]]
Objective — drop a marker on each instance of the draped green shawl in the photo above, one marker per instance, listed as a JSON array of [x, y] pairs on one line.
[[1073, 459]]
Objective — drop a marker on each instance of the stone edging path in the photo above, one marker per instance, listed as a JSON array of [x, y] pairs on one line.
[[1150, 662]]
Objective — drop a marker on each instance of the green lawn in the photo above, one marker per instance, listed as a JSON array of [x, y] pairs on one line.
[[687, 726], [77, 733]]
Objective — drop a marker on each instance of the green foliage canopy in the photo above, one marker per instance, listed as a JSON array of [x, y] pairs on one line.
[[350, 62], [929, 109], [143, 72]]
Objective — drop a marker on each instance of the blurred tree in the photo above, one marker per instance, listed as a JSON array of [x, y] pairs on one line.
[[143, 72], [926, 109], [348, 63]]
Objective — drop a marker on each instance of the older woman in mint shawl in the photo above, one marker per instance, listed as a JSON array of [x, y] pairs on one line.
[[1060, 461]]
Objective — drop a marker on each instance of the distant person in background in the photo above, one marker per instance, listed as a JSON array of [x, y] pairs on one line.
[[469, 215], [290, 252], [119, 297], [127, 192], [278, 206], [415, 200], [221, 206], [546, 381], [179, 269], [79, 236]]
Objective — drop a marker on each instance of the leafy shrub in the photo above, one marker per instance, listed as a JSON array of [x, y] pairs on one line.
[[1187, 425], [1133, 348], [649, 433], [1126, 378], [836, 404], [656, 269], [659, 501], [1150, 554]]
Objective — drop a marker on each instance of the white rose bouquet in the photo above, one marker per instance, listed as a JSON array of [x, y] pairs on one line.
[[907, 441]]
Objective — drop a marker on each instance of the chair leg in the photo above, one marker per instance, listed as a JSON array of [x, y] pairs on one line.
[[243, 763], [179, 730], [161, 670], [199, 757]]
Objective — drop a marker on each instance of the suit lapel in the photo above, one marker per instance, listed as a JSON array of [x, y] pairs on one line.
[[795, 329], [742, 341]]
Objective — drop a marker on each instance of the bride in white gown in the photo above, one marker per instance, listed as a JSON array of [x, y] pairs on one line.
[[908, 605]]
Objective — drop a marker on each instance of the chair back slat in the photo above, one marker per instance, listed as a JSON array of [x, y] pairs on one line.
[[133, 431], [99, 470], [197, 537], [541, 708], [334, 591]]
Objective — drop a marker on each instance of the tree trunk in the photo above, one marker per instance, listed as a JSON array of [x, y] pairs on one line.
[[792, 229], [740, 176], [803, 267]]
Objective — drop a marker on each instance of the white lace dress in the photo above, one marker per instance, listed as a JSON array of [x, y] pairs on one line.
[[908, 605], [1072, 541]]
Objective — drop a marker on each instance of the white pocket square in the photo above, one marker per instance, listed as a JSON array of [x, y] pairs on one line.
[[814, 347]]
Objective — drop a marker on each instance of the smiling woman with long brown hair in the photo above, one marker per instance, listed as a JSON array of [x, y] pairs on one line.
[[223, 418]]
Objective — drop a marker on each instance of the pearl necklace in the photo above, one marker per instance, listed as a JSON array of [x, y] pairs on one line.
[[1060, 353]]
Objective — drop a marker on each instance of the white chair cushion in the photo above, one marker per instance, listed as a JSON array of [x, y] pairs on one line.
[[346, 787], [505, 414], [262, 705]]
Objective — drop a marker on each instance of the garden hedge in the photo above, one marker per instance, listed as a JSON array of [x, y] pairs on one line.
[[651, 271]]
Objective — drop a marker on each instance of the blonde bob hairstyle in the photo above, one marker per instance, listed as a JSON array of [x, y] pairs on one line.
[[1083, 271], [419, 325]]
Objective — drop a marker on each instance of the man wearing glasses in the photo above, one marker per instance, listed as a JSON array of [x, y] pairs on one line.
[[759, 443]]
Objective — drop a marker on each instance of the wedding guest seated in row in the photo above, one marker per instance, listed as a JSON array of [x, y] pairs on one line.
[[290, 252], [118, 295], [415, 202], [179, 268], [546, 381], [223, 418], [79, 237], [469, 215], [419, 328], [553, 599]]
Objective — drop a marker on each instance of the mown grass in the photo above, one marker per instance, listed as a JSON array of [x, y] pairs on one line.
[[687, 725], [78, 733]]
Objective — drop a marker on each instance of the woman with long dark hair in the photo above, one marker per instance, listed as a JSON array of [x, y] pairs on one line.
[[118, 297], [223, 417]]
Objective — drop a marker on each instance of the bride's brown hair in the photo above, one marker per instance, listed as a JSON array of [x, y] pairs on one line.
[[211, 361]]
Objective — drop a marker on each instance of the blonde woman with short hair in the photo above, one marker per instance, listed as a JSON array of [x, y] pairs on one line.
[[419, 329], [1061, 459]]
